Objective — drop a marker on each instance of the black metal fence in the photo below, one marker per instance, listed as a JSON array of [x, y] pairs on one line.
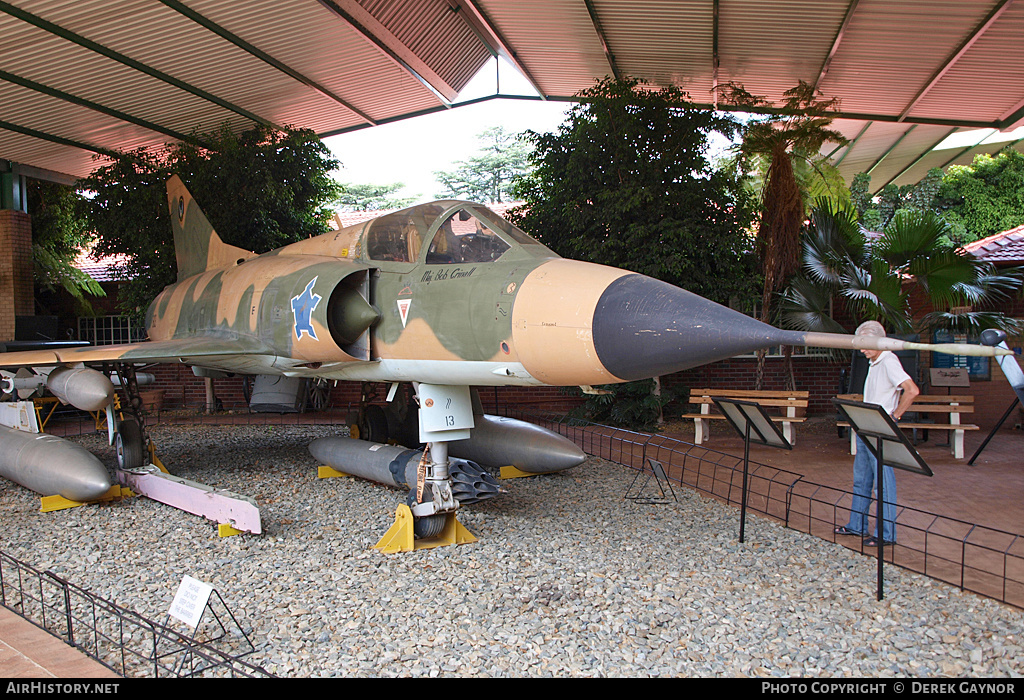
[[123, 641], [972, 557]]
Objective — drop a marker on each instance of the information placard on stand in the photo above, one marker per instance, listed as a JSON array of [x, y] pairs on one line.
[[754, 425], [890, 447]]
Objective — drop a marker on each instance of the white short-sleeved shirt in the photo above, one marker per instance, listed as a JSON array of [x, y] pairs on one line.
[[885, 374]]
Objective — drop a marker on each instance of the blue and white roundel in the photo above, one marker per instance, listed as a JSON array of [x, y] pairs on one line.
[[303, 306]]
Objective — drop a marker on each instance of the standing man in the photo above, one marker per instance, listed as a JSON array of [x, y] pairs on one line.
[[889, 386]]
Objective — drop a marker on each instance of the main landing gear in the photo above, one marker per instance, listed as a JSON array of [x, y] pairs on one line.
[[428, 517]]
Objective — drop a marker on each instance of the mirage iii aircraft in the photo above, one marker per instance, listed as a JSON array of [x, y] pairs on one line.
[[440, 297]]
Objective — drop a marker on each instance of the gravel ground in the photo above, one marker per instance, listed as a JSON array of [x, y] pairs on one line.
[[567, 578]]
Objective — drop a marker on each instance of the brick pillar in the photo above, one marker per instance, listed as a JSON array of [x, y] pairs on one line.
[[17, 294]]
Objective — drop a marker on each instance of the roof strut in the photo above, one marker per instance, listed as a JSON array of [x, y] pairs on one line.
[[957, 55], [850, 9], [68, 35], [604, 40], [921, 157], [391, 46], [480, 19], [263, 56], [95, 106]]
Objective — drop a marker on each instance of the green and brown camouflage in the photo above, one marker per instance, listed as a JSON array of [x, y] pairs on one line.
[[445, 293]]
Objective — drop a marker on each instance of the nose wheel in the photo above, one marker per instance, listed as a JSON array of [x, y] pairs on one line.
[[130, 445]]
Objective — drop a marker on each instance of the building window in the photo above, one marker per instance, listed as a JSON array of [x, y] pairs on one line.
[[110, 330]]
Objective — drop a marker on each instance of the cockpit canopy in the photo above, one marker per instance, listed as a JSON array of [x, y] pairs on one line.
[[452, 231]]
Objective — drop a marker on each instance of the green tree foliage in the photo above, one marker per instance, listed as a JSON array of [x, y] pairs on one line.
[[626, 181], [634, 405], [58, 234], [366, 197], [260, 189], [876, 212], [487, 177], [985, 197], [875, 279]]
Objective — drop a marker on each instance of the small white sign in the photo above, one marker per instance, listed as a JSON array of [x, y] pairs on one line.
[[190, 601]]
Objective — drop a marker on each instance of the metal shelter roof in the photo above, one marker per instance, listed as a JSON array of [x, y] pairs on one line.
[[94, 76]]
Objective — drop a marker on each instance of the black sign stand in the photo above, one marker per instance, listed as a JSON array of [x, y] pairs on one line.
[[883, 437], [660, 478], [754, 425]]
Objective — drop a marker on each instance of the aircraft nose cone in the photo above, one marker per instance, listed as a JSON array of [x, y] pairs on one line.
[[644, 327]]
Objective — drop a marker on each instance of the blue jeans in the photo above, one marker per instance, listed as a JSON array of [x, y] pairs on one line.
[[865, 466]]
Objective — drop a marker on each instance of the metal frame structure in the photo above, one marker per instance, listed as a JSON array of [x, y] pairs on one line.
[[98, 77]]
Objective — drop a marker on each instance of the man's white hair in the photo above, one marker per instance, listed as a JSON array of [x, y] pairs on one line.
[[871, 328]]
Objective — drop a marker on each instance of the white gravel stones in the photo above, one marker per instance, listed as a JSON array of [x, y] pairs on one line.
[[567, 578]]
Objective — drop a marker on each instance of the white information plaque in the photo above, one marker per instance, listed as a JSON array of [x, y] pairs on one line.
[[190, 601]]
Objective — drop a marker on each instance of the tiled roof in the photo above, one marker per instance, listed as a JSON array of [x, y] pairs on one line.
[[101, 270], [1004, 247]]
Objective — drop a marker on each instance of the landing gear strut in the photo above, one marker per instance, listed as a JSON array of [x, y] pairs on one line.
[[429, 513], [130, 440]]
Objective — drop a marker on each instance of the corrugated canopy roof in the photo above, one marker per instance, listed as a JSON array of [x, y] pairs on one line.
[[95, 76]]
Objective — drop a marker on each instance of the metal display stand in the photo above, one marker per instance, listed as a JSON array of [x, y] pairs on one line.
[[754, 425], [1014, 375], [190, 604], [660, 478], [884, 439]]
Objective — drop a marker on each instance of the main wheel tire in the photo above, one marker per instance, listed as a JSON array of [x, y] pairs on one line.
[[430, 526], [131, 452], [319, 394], [375, 425]]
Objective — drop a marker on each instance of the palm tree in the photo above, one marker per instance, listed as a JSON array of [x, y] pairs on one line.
[[798, 131], [875, 278]]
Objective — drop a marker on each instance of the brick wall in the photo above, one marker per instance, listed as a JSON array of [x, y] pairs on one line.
[[16, 283]]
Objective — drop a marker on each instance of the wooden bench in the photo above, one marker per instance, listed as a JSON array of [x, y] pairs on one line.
[[786, 401], [935, 404]]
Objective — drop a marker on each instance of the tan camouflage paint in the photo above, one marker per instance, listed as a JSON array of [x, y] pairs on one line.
[[552, 322]]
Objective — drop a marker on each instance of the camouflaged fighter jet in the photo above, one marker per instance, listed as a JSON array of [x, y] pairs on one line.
[[445, 296]]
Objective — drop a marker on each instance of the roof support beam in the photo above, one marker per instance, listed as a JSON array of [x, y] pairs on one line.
[[497, 42], [715, 59], [920, 157], [35, 133], [391, 46], [957, 55], [850, 9], [68, 35], [223, 33], [37, 173], [604, 40], [1012, 117], [95, 106], [889, 150], [850, 145], [969, 148]]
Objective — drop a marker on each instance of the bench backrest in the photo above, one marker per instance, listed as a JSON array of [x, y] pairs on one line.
[[764, 398]]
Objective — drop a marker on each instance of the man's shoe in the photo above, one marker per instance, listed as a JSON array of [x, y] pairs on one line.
[[873, 542], [843, 530]]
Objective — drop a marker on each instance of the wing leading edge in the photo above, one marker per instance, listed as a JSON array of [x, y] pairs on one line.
[[185, 350]]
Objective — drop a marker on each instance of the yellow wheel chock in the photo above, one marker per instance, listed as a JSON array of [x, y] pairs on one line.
[[325, 472], [511, 472], [400, 537], [49, 504]]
